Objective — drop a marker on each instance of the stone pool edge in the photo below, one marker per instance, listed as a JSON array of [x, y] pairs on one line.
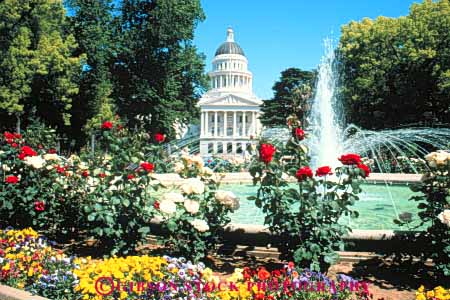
[[174, 179]]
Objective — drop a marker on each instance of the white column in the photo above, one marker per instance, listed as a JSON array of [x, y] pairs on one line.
[[215, 147], [234, 148], [243, 124], [215, 123], [253, 123], [202, 123], [234, 123], [225, 123], [206, 129]]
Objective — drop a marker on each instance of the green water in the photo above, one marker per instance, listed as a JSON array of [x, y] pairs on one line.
[[375, 207]]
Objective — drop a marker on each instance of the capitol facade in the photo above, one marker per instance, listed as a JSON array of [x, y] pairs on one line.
[[229, 110]]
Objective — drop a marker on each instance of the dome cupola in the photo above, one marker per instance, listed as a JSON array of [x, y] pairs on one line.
[[229, 46]]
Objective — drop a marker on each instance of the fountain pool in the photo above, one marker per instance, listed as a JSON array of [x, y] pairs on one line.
[[375, 206]]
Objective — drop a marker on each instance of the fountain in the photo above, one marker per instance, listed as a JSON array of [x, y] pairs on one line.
[[329, 138], [325, 140]]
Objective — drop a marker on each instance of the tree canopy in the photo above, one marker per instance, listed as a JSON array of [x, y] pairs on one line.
[[291, 93], [158, 73], [396, 71], [39, 70], [131, 57]]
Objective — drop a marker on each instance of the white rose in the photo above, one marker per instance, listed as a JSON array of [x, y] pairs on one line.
[[36, 162], [168, 207], [6, 168], [436, 159], [207, 171], [174, 197], [191, 206], [73, 158], [178, 167], [50, 156], [198, 160], [227, 198], [200, 225], [444, 217], [193, 186]]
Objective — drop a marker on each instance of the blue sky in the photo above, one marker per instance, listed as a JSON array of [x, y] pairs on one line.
[[276, 35]]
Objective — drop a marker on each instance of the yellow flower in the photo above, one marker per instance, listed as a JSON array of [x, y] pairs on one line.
[[420, 297]]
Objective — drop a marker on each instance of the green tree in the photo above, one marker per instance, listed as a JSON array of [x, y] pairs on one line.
[[291, 94], [39, 70], [158, 73], [396, 71], [92, 25]]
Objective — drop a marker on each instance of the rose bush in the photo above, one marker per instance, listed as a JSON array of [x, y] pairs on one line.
[[102, 195], [194, 215], [32, 191], [434, 209], [118, 186], [304, 217]]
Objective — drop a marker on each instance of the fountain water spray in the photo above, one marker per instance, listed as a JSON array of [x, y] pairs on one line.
[[326, 137]]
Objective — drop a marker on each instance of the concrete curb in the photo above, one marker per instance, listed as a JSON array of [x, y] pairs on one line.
[[169, 179], [9, 293]]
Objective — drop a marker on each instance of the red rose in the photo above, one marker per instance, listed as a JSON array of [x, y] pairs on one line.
[[51, 151], [85, 174], [323, 171], [10, 141], [14, 145], [39, 205], [350, 159], [102, 175], [156, 205], [12, 179], [60, 170], [299, 133], [107, 125], [291, 265], [159, 137], [8, 135], [147, 166], [276, 273], [263, 274], [266, 152], [259, 296], [17, 135], [28, 151], [21, 156], [304, 173], [130, 176], [365, 168]]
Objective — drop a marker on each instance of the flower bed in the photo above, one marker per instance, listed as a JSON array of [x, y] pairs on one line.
[[438, 293], [28, 262]]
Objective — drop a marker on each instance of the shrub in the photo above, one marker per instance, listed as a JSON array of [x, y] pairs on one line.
[[117, 201], [31, 192], [435, 209], [305, 216], [104, 195], [193, 218]]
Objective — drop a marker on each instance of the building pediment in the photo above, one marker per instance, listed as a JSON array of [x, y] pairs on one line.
[[230, 99]]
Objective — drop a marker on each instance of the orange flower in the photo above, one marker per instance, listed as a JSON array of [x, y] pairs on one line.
[[263, 274]]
